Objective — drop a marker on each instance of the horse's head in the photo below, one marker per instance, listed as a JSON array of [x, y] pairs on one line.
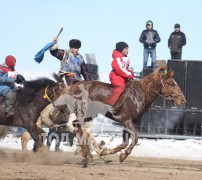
[[59, 86], [42, 87], [169, 88]]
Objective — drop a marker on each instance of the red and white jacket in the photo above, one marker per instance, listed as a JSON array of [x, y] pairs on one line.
[[120, 65]]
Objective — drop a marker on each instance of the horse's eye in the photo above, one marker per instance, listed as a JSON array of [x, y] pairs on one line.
[[172, 85]]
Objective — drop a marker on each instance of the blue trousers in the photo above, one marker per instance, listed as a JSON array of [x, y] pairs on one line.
[[152, 53]]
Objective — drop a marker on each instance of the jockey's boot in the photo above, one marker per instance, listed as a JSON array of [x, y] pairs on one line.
[[10, 113], [10, 97], [110, 108]]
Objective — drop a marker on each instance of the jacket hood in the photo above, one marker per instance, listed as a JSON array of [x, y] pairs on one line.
[[149, 22], [116, 54]]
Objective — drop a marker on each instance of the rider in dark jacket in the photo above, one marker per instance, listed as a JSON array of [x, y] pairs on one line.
[[72, 67], [149, 38], [72, 63]]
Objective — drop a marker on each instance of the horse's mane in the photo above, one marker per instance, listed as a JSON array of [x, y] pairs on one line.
[[91, 84], [32, 87]]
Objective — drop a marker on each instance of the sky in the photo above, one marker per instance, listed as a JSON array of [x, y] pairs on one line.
[[27, 26]]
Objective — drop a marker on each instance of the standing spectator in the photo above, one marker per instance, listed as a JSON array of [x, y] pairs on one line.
[[176, 40], [149, 38]]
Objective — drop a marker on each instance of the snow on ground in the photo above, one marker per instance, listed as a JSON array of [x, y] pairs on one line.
[[160, 148], [105, 130]]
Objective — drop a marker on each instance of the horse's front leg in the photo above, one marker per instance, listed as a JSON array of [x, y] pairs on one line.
[[127, 132], [123, 145], [25, 139], [129, 127], [34, 134]]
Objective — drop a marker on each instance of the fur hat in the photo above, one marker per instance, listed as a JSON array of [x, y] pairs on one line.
[[75, 43], [10, 61], [120, 46]]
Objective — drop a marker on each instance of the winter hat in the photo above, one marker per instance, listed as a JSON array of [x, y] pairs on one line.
[[149, 22], [177, 25], [10, 61], [120, 46], [75, 43]]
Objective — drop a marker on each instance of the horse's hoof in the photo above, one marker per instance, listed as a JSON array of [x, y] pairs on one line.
[[84, 163], [104, 152], [35, 149], [122, 157]]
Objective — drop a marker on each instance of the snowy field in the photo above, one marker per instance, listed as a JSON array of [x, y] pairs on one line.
[[161, 148]]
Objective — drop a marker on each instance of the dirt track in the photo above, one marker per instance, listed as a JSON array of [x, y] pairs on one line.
[[63, 165]]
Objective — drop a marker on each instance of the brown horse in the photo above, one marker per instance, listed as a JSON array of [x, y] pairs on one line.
[[30, 101], [132, 104]]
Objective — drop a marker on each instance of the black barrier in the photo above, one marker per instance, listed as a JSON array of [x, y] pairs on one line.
[[194, 85], [192, 123], [175, 122], [157, 121], [142, 124], [180, 75], [167, 119]]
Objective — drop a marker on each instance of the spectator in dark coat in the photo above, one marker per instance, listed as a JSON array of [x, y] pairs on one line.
[[176, 40], [149, 38]]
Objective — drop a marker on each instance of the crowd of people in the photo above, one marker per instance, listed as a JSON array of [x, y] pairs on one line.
[[150, 37]]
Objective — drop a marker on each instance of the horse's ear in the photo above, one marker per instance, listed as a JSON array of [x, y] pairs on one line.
[[161, 69], [170, 73]]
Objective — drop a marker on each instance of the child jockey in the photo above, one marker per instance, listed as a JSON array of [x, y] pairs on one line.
[[7, 87], [120, 72]]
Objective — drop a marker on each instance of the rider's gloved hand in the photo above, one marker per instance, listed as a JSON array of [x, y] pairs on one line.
[[19, 79]]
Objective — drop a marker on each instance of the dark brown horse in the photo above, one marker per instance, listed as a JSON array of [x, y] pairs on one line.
[[30, 101], [136, 99]]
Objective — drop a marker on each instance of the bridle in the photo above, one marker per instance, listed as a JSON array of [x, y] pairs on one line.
[[46, 97], [171, 97]]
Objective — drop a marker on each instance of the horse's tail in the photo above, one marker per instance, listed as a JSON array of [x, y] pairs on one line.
[[3, 131]]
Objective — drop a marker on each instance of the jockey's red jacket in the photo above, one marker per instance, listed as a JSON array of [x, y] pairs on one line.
[[120, 72]]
